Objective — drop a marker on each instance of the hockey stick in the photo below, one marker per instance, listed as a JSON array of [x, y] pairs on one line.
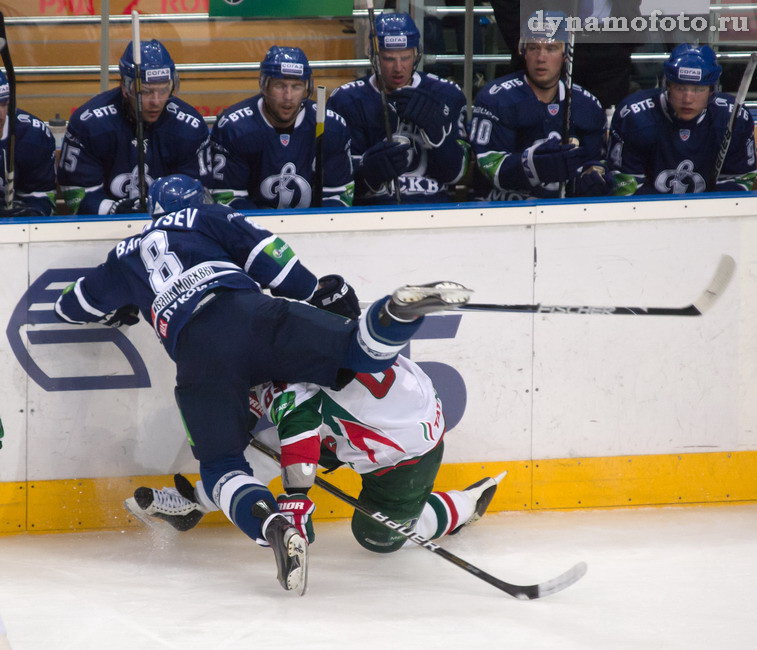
[[523, 592], [136, 50], [702, 304], [568, 105], [738, 104], [10, 161], [376, 61], [320, 126]]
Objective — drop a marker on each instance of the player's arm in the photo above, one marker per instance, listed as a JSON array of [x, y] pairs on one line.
[[265, 257], [81, 174], [449, 162], [739, 169], [100, 296], [35, 162], [190, 146], [338, 174], [295, 410], [230, 170]]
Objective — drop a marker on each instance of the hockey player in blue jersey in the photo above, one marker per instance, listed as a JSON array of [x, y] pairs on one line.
[[34, 171], [666, 140], [196, 274], [517, 126], [98, 171], [264, 147], [427, 115]]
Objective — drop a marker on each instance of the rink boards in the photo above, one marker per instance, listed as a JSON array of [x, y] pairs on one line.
[[582, 410]]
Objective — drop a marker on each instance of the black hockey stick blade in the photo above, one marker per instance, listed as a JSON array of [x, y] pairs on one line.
[[522, 592], [716, 287]]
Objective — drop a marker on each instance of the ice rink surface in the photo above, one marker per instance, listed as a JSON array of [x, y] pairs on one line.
[[658, 578]]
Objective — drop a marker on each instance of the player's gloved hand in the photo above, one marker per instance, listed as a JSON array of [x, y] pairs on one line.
[[551, 162], [594, 179], [19, 209], [126, 205], [426, 111], [384, 161], [297, 509], [126, 315], [336, 296]]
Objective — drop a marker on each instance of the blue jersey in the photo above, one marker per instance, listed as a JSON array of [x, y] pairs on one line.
[[654, 152], [432, 168], [34, 170], [178, 262], [258, 165], [508, 118], [98, 163]]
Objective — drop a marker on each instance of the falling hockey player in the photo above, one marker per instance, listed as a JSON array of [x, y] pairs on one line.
[[387, 426], [196, 273]]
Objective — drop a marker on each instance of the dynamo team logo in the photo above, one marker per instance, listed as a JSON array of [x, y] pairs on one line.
[[681, 180], [291, 189]]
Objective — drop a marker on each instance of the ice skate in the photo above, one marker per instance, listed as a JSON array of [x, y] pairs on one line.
[[289, 548], [483, 492], [412, 301], [171, 505]]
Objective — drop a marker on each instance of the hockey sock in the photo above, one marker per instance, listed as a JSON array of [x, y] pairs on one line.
[[378, 343], [443, 512], [235, 493]]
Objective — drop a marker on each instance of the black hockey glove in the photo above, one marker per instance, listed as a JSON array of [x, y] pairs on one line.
[[126, 315], [336, 296], [424, 110], [551, 162], [384, 162], [19, 209], [594, 179], [126, 205]]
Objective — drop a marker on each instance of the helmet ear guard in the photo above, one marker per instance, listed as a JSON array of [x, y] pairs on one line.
[[286, 63]]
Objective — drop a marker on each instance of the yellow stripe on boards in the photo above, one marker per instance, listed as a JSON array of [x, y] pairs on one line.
[[566, 483]]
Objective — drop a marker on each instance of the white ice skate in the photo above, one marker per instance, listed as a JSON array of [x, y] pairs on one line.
[[483, 492]]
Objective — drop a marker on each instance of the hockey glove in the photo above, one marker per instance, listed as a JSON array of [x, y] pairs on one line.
[[336, 296], [424, 110], [297, 509], [127, 205], [551, 162], [19, 209], [594, 179], [384, 162], [126, 315]]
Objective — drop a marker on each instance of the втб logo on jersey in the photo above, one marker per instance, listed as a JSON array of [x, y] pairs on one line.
[[680, 180], [293, 191]]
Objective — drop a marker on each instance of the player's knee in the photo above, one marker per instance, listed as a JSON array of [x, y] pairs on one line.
[[376, 537]]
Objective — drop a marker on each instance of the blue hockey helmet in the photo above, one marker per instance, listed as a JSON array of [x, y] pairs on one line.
[[156, 67], [5, 89], [695, 65], [286, 63], [397, 32], [543, 27], [171, 193]]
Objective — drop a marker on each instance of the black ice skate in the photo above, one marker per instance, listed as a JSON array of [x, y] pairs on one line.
[[289, 548], [171, 505], [412, 301], [483, 492]]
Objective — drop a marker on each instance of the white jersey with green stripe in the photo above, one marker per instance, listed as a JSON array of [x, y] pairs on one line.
[[377, 421]]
